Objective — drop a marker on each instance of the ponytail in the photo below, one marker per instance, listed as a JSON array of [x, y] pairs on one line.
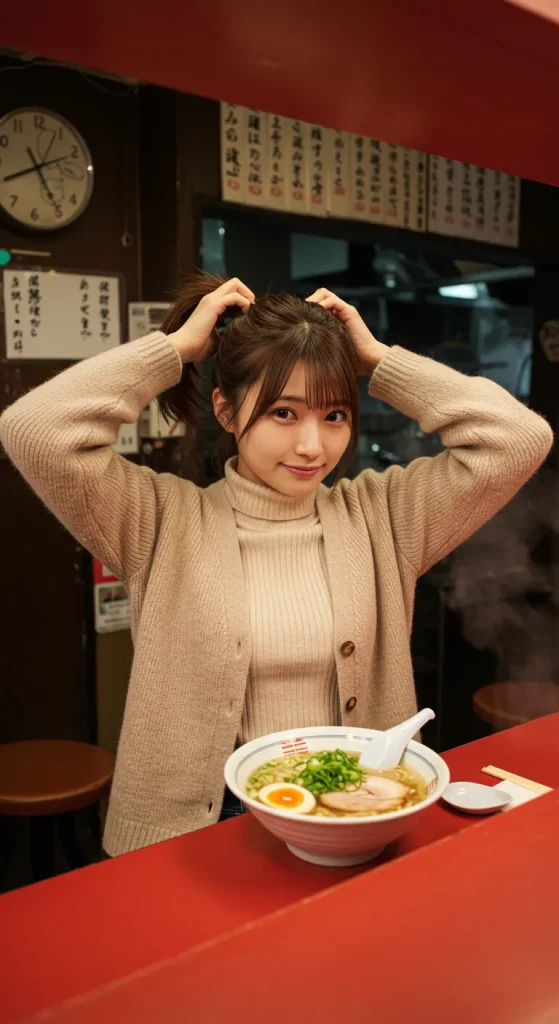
[[184, 401]]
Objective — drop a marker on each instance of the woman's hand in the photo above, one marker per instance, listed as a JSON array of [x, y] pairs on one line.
[[369, 351], [195, 340]]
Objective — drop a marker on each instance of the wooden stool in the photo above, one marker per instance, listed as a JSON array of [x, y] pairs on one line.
[[503, 705], [47, 781]]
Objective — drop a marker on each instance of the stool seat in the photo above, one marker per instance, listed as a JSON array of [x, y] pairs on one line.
[[503, 705], [39, 777]]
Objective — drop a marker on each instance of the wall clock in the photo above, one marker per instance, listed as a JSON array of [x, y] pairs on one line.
[[46, 171]]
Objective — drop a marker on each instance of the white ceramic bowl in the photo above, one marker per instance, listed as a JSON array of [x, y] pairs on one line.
[[332, 841]]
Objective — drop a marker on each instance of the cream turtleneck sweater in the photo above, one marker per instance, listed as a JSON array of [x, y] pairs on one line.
[[292, 676]]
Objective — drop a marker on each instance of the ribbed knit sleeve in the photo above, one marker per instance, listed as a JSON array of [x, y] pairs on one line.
[[494, 444], [60, 437]]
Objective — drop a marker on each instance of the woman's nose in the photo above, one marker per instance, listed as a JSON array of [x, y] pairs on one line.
[[309, 442]]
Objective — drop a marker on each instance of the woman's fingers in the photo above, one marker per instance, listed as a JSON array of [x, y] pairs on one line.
[[319, 294], [235, 298], [338, 307], [235, 285]]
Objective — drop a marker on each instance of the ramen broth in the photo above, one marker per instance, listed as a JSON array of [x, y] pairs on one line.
[[345, 799]]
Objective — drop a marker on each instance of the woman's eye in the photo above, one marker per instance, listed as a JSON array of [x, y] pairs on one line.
[[339, 416], [282, 414]]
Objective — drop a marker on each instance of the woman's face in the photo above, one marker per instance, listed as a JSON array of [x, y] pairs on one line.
[[291, 448]]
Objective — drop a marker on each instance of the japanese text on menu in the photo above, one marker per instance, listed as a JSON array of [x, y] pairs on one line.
[[276, 157], [255, 153], [317, 167], [231, 148], [26, 306]]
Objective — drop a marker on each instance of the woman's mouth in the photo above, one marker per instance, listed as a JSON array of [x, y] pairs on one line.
[[303, 472]]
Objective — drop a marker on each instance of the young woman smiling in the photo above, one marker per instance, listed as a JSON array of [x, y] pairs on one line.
[[265, 601]]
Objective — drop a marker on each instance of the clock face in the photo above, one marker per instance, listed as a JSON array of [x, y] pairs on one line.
[[46, 173]]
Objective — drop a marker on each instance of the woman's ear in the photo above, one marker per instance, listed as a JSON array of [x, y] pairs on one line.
[[222, 411]]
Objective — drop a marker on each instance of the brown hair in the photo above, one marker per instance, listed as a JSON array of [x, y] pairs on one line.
[[264, 345]]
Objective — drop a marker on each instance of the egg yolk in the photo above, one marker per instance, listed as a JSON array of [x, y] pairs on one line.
[[286, 798]]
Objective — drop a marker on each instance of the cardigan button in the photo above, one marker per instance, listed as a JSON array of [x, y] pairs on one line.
[[347, 649], [351, 703]]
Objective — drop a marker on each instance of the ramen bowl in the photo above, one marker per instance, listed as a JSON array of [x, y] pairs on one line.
[[333, 841]]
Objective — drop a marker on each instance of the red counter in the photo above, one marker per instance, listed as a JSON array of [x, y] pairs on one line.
[[208, 903]]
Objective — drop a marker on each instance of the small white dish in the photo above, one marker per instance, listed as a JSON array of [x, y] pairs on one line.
[[473, 798]]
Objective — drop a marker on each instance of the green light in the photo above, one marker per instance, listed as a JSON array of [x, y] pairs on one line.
[[5, 257]]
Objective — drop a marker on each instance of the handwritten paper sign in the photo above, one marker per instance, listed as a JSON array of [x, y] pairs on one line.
[[376, 191], [233, 157], [255, 155], [275, 182], [358, 181], [51, 315], [318, 155], [338, 174], [298, 194]]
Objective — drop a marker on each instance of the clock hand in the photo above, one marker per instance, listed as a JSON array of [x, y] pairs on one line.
[[45, 156], [30, 170], [42, 177]]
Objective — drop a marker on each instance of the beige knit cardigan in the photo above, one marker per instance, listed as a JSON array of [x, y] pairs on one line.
[[175, 546]]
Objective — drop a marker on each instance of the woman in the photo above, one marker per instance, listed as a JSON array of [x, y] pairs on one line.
[[265, 601]]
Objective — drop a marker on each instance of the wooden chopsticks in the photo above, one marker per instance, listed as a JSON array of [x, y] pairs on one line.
[[500, 773]]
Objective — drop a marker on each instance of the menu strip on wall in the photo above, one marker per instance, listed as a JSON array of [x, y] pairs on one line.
[[287, 164]]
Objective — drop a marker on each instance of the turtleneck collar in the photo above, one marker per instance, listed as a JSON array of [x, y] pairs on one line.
[[261, 502]]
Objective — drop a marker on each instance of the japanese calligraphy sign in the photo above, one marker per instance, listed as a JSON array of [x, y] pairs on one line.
[[298, 167], [465, 182], [444, 209], [413, 190], [255, 156], [394, 202], [467, 201], [318, 153], [421, 178], [233, 152], [481, 219], [338, 179], [376, 180], [50, 315], [359, 170], [435, 209], [276, 180], [512, 215]]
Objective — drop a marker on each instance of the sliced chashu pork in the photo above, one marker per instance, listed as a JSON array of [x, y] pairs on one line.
[[375, 794]]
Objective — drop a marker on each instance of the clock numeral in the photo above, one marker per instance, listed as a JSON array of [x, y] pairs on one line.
[[74, 199], [58, 212], [13, 201], [34, 213], [39, 122], [74, 152], [18, 126], [3, 141]]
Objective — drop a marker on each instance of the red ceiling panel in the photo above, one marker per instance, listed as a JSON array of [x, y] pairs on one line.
[[475, 81]]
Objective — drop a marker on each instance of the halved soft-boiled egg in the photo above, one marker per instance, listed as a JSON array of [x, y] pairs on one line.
[[286, 796]]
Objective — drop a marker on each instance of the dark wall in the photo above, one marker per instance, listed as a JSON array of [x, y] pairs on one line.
[[46, 662]]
